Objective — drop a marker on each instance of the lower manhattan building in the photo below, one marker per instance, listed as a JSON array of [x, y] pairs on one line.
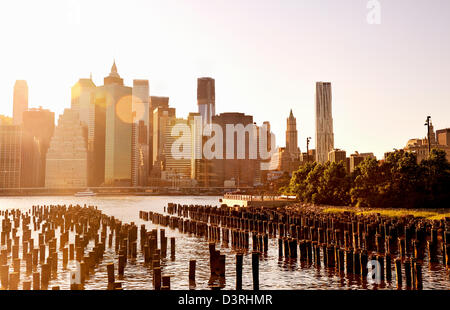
[[438, 140], [357, 158], [232, 171], [324, 121], [38, 127], [337, 155], [161, 119], [10, 156], [67, 156], [177, 153], [112, 159]]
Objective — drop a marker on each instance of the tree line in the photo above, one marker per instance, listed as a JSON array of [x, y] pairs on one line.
[[396, 182]]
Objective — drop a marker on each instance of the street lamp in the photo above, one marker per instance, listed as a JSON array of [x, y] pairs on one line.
[[428, 134], [307, 148]]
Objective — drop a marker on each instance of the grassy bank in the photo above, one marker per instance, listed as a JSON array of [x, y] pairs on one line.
[[432, 214]]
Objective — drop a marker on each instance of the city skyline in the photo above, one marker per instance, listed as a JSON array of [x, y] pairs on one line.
[[392, 70]]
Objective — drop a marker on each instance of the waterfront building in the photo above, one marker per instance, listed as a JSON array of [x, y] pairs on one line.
[[161, 118], [438, 140], [292, 136], [206, 98], [324, 121], [10, 156], [112, 132], [177, 162], [155, 102], [244, 171], [38, 128], [337, 156], [357, 158], [140, 110], [67, 155], [20, 101]]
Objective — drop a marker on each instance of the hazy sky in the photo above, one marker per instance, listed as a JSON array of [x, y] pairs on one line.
[[265, 56]]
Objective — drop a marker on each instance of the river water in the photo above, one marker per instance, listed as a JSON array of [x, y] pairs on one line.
[[274, 274]]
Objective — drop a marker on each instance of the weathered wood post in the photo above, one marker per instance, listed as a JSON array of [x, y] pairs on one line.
[[255, 270], [239, 261], [36, 281], [4, 275], [165, 283], [192, 264], [407, 265], [157, 278], [172, 248], [111, 278]]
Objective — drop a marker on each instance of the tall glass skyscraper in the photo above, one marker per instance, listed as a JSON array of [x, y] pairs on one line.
[[206, 99], [20, 101], [324, 122]]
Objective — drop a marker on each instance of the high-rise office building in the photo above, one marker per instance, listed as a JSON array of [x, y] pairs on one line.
[[10, 156], [206, 98], [291, 135], [177, 165], [20, 101], [112, 132], [161, 119], [140, 110], [155, 102], [243, 171], [38, 126], [82, 101], [443, 136], [337, 155], [324, 121], [357, 158], [67, 155]]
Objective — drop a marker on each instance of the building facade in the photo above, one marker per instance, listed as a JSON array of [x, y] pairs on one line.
[[324, 121], [206, 98], [244, 171], [38, 127], [291, 135], [10, 156], [113, 132], [67, 155], [20, 101]]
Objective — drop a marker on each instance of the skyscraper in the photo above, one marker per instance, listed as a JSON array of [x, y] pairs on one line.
[[140, 110], [82, 101], [243, 171], [10, 156], [113, 131], [324, 122], [206, 98], [67, 156], [155, 102], [20, 101], [161, 119], [38, 124], [291, 135]]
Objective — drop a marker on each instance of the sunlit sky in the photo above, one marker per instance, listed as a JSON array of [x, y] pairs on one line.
[[265, 55]]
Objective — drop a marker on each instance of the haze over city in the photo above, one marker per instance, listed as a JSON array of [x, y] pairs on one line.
[[264, 55]]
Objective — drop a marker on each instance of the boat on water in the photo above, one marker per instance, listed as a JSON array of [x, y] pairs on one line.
[[86, 193]]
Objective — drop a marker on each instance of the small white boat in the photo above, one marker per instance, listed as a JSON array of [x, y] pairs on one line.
[[86, 193]]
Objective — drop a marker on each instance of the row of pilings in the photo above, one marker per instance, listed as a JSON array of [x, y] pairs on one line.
[[36, 245], [375, 246]]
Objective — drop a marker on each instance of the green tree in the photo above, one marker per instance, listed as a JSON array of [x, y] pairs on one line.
[[436, 173], [334, 185]]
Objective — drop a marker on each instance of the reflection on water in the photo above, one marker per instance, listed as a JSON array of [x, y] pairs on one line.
[[274, 273]]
